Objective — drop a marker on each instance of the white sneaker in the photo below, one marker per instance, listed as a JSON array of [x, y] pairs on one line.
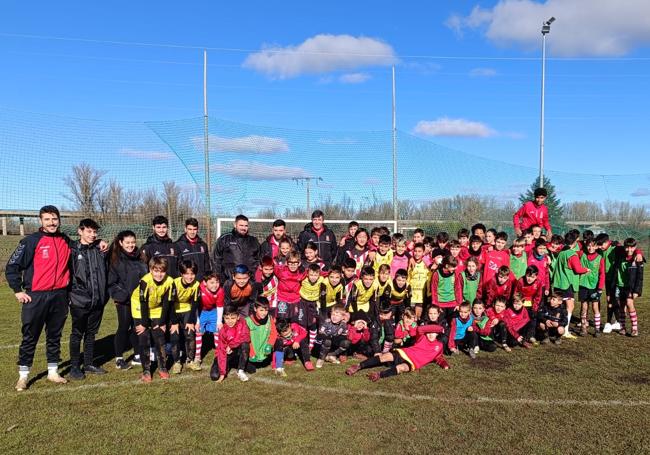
[[616, 326], [607, 328], [243, 377], [56, 378], [476, 349], [136, 361]]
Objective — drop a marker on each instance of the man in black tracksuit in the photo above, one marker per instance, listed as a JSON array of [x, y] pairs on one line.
[[322, 236], [236, 248], [88, 296], [38, 274], [159, 244], [191, 247]]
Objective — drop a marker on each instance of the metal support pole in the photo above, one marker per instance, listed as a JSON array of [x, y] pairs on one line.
[[541, 133], [206, 151], [395, 211]]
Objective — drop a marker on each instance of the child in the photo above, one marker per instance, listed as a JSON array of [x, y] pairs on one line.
[[435, 316], [307, 315], [400, 294], [475, 248], [289, 279], [517, 321], [383, 329], [518, 258], [400, 257], [531, 290], [359, 251], [311, 257], [263, 334], [418, 278], [285, 249], [333, 337], [496, 258], [629, 284], [552, 318], [233, 348], [364, 298], [331, 292], [539, 259], [478, 230], [359, 336], [418, 237], [455, 250], [186, 305], [533, 212], [239, 291], [426, 349], [461, 332], [565, 277], [150, 303], [291, 338], [499, 330], [265, 276], [348, 238], [490, 239], [529, 240], [591, 287], [482, 329], [406, 329], [501, 285], [383, 255], [447, 286], [428, 248], [471, 280], [349, 279], [210, 315]]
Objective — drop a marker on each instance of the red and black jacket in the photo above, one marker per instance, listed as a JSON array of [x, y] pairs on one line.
[[40, 263]]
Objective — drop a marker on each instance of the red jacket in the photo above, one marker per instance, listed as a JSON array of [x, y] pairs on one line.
[[530, 214], [424, 351], [458, 290], [516, 320], [402, 332], [494, 315], [544, 277], [298, 333], [531, 292], [209, 300], [356, 337], [493, 289], [492, 261], [288, 284], [231, 337], [487, 328]]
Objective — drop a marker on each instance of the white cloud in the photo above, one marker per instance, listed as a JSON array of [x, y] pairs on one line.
[[244, 144], [321, 54], [252, 170], [445, 126], [354, 78], [639, 192], [583, 27], [483, 72], [147, 154]]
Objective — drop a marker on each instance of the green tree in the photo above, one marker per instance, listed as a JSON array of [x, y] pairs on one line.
[[555, 208]]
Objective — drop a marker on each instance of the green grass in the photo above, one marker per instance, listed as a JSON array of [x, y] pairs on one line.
[[326, 411]]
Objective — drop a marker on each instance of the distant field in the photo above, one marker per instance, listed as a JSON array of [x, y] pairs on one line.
[[587, 396]]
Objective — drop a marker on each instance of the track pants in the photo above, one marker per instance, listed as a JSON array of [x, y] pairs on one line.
[[85, 325]]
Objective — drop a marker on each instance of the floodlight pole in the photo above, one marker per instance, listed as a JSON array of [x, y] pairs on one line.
[[307, 181], [546, 28], [395, 212], [206, 152]]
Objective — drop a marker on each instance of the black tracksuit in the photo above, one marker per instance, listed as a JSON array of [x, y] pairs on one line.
[[123, 277], [233, 249], [163, 248], [197, 252], [325, 241], [88, 295]]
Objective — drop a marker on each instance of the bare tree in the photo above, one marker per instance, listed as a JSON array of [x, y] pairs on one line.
[[85, 185]]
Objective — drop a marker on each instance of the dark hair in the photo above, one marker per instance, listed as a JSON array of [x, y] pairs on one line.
[[557, 238], [500, 299], [383, 230], [464, 305], [49, 209], [335, 269], [428, 240], [418, 245], [230, 309], [442, 237], [184, 266], [317, 214], [454, 243], [353, 224], [159, 219], [279, 223], [540, 192], [367, 271], [450, 261], [477, 302], [602, 238], [501, 236], [210, 276], [115, 246], [192, 222], [402, 272], [587, 234], [261, 302], [475, 238], [629, 242], [361, 231], [267, 261], [241, 268], [576, 232], [88, 223], [504, 270], [314, 268], [375, 230], [589, 241], [282, 325], [532, 270], [463, 232], [312, 246], [384, 239], [418, 231], [557, 295], [348, 263], [570, 238], [478, 226], [241, 217], [540, 242], [398, 236]]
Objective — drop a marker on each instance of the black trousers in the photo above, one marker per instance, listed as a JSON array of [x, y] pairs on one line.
[[85, 325], [125, 333], [499, 333], [469, 341], [238, 358], [336, 345], [47, 309], [184, 336], [486, 345], [531, 328], [289, 352], [144, 341]]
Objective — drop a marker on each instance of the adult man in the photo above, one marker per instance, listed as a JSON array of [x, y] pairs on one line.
[[235, 248], [38, 274], [191, 247], [533, 213], [88, 296], [159, 244], [271, 245], [322, 236]]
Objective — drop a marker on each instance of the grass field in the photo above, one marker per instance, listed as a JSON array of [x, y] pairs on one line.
[[587, 396]]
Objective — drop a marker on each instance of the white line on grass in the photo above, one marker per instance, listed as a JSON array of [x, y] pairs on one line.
[[342, 391]]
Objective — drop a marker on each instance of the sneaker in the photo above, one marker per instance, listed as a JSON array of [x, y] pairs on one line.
[[477, 349], [320, 363], [22, 384], [343, 358], [635, 333], [506, 347], [309, 366], [214, 370], [616, 326], [622, 332], [243, 377], [374, 376], [332, 359], [177, 368], [596, 333], [146, 377], [136, 362], [92, 369], [546, 340], [120, 364], [56, 378], [195, 365], [351, 371], [164, 374], [76, 374], [280, 372], [607, 328], [533, 340], [558, 340], [569, 336], [472, 353]]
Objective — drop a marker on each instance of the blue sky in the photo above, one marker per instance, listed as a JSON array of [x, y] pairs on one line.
[[468, 79]]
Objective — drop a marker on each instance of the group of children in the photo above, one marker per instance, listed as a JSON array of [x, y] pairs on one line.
[[388, 300]]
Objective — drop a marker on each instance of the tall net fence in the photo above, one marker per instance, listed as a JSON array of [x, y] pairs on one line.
[[124, 173]]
